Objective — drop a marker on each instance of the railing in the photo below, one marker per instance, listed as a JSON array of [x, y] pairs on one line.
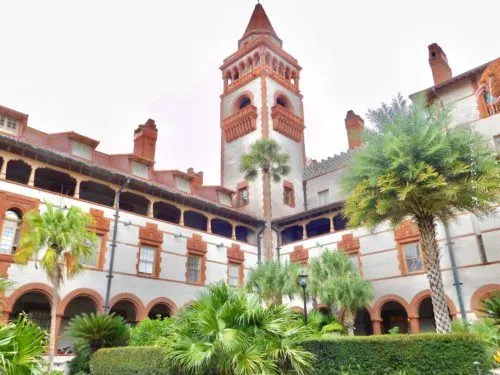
[[494, 108], [286, 123], [241, 123]]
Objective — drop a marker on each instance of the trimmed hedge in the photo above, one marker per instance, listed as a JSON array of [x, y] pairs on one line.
[[130, 360], [439, 354]]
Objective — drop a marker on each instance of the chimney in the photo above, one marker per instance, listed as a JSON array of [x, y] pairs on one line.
[[197, 177], [441, 71], [355, 126], [145, 140]]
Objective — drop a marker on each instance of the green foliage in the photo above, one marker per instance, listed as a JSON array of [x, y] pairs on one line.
[[443, 354], [149, 331], [132, 360], [265, 155], [100, 330], [491, 307], [22, 344], [81, 361], [394, 330], [316, 320], [228, 331], [272, 280], [334, 328]]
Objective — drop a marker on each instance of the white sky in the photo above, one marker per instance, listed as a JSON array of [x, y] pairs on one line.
[[102, 67]]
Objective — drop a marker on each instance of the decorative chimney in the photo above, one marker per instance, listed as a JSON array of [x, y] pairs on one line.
[[145, 140], [441, 71], [355, 126], [197, 177]]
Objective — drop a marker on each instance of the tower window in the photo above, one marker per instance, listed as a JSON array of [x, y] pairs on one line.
[[10, 232], [244, 102], [8, 124], [243, 196], [282, 102]]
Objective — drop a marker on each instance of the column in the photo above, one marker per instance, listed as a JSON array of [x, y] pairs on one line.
[[150, 209], [332, 229], [414, 324], [377, 327], [209, 224], [31, 180], [59, 318], [304, 232], [77, 189], [233, 234], [3, 171], [181, 219], [5, 317]]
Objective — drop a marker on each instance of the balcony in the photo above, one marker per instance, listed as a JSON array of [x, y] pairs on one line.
[[494, 108], [286, 123], [241, 123]]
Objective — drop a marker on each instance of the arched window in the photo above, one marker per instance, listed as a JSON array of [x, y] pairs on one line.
[[282, 101], [10, 232], [244, 102]]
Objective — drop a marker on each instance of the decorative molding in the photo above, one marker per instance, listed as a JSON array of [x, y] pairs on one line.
[[289, 185], [299, 255], [406, 232], [239, 124], [349, 244], [100, 224], [150, 234], [235, 254], [332, 163], [195, 244], [286, 123]]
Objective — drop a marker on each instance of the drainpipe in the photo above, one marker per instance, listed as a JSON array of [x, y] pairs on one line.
[[479, 238], [456, 279], [259, 246], [113, 245], [278, 248]]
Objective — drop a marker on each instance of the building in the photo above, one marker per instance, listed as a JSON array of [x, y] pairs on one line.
[[175, 235]]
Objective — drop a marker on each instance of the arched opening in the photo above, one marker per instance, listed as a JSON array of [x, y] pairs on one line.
[[426, 318], [221, 227], [36, 305], [362, 323], [245, 234], [97, 193], [134, 203], [55, 181], [244, 102], [78, 305], [236, 74], [256, 59], [160, 310], [125, 309], [195, 220], [166, 212], [282, 101], [11, 230], [318, 227], [394, 315], [18, 171], [339, 222], [291, 234]]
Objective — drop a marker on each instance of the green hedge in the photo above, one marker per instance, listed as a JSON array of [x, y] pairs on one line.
[[131, 360], [438, 354]]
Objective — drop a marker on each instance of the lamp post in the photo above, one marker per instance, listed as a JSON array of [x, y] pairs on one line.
[[303, 284]]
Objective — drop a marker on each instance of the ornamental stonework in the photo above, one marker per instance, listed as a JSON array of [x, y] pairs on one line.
[[299, 255], [239, 124], [10, 200], [196, 244], [349, 244], [235, 254], [286, 123], [406, 231], [150, 233], [100, 223]]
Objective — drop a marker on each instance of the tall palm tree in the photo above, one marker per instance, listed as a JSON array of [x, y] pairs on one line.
[[62, 238], [336, 282], [272, 280], [265, 156], [416, 165]]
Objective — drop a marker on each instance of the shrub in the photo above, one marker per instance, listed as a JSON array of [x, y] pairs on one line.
[[132, 360], [149, 331], [443, 354], [80, 363], [334, 328]]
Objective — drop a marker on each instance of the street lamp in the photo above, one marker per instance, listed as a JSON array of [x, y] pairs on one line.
[[303, 284]]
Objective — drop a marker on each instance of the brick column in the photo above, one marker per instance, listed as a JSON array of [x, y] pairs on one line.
[[377, 327], [59, 318], [414, 325]]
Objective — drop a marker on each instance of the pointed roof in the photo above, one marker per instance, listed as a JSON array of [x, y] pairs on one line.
[[259, 24]]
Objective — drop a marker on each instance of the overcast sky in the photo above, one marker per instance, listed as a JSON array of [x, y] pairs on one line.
[[100, 68]]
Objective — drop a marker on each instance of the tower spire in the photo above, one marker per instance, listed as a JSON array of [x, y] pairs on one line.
[[259, 25]]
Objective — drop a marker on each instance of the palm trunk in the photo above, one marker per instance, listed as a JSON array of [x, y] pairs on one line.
[[430, 252], [53, 326], [349, 322], [268, 236]]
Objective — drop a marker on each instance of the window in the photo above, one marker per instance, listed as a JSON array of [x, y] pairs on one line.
[[91, 260], [140, 170], [147, 259], [412, 257], [224, 198], [244, 102], [282, 102], [243, 196], [194, 269], [233, 273], [82, 150], [10, 232], [8, 124], [324, 197], [288, 195], [183, 184]]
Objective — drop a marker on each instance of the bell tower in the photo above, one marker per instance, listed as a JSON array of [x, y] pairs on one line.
[[261, 100]]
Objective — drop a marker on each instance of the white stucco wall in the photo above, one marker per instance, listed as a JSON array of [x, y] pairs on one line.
[[325, 181]]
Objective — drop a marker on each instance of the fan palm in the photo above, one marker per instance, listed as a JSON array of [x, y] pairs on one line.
[[265, 156], [336, 283], [63, 238], [491, 307], [229, 332], [272, 280], [415, 165]]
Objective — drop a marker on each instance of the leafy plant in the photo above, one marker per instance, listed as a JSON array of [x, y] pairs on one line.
[[491, 307], [416, 166], [394, 330], [80, 363], [150, 331], [63, 238], [334, 328], [272, 280]]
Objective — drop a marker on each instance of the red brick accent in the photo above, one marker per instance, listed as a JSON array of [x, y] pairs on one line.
[[239, 124], [196, 246], [150, 236], [419, 297], [43, 289], [441, 71], [406, 232], [349, 244], [145, 137], [289, 185], [264, 110], [299, 255], [355, 126], [100, 226], [286, 123], [140, 312], [235, 254], [481, 294], [376, 310], [161, 301], [82, 292]]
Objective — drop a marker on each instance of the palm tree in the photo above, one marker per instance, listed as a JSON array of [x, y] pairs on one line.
[[265, 156], [229, 332], [491, 307], [63, 238], [272, 280], [336, 282], [416, 165]]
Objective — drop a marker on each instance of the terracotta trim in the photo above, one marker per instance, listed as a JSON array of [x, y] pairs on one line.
[[161, 301], [136, 302], [480, 294], [82, 292], [17, 293], [264, 116], [239, 187], [377, 306], [420, 296], [197, 247], [349, 244], [299, 255], [289, 185]]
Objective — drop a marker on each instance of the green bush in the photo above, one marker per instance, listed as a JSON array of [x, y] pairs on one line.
[[149, 331], [138, 360], [440, 354]]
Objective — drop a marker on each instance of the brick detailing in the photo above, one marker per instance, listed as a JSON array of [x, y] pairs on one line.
[[239, 124], [100, 226], [145, 137], [299, 255], [286, 123], [490, 82], [264, 111], [235, 254], [406, 232], [355, 126], [140, 312], [196, 246], [288, 185], [481, 294], [441, 71], [349, 244], [150, 234]]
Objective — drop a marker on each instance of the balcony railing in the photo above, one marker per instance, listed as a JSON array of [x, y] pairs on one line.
[[286, 123], [494, 108], [241, 123]]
